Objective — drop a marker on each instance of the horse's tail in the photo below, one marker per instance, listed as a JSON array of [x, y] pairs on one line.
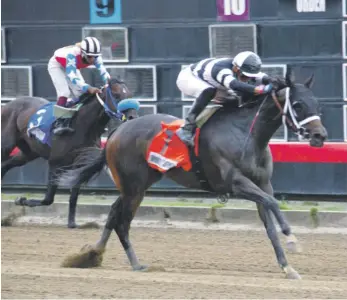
[[86, 166]]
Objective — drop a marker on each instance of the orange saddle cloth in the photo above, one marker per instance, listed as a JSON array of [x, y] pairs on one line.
[[167, 151]]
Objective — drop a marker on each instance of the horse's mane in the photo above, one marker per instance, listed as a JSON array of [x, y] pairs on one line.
[[248, 102], [86, 98]]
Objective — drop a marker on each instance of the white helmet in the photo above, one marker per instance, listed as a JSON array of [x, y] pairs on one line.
[[248, 62], [91, 46]]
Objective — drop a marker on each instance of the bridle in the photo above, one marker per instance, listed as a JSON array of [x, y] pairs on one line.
[[107, 109], [296, 126]]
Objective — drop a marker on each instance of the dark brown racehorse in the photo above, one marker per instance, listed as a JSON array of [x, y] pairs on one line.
[[234, 154], [89, 124]]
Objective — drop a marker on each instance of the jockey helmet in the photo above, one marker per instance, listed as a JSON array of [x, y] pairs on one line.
[[91, 46], [248, 63]]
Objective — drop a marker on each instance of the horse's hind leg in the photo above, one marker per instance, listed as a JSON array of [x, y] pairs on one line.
[[129, 204], [8, 136], [132, 186], [17, 160], [7, 145], [50, 192], [52, 187]]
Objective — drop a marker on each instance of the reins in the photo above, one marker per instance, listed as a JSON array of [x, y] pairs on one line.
[[292, 122]]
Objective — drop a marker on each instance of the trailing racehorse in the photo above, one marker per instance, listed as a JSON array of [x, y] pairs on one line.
[[233, 158], [60, 150]]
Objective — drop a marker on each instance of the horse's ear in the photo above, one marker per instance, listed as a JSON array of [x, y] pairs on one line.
[[309, 81], [289, 76]]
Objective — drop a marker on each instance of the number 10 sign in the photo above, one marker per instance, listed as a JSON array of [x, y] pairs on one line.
[[233, 10]]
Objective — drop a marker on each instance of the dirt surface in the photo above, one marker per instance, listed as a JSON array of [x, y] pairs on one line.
[[198, 264]]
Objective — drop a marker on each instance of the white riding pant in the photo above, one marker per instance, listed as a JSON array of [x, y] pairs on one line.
[[63, 85], [191, 85]]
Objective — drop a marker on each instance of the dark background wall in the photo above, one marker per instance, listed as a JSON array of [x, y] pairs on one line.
[[167, 34]]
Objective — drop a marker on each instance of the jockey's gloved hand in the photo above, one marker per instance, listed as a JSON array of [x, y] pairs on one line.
[[263, 89], [93, 90]]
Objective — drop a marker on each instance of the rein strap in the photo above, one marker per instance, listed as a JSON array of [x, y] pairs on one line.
[[108, 111]]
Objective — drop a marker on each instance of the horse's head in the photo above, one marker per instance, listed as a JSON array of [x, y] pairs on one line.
[[300, 109], [115, 100]]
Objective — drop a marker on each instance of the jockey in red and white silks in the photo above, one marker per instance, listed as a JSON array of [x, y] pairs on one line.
[[64, 65]]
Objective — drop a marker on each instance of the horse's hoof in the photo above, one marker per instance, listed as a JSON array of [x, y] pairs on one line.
[[291, 273], [293, 245], [20, 201], [141, 268], [72, 225]]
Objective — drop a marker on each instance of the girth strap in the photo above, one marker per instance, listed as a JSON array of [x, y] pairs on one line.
[[198, 170]]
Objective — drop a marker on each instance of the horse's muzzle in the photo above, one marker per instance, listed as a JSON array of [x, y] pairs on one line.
[[131, 114], [317, 133]]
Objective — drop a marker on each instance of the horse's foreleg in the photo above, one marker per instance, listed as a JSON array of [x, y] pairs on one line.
[[269, 225], [292, 243], [245, 188], [72, 207]]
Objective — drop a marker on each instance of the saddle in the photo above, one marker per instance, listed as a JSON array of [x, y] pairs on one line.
[[166, 151], [47, 118]]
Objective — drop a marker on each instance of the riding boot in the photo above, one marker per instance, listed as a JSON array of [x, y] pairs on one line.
[[62, 101], [187, 131], [63, 126]]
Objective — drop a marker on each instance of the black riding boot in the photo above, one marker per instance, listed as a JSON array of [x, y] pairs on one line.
[[187, 131], [63, 126]]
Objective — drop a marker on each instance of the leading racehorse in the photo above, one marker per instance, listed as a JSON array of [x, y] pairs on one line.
[[234, 154], [89, 123]]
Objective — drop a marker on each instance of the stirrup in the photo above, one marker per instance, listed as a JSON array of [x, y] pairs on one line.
[[61, 127], [63, 130], [182, 134]]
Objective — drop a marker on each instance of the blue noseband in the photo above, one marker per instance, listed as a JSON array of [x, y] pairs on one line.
[[126, 104]]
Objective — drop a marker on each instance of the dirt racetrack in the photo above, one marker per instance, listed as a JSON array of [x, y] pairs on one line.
[[198, 264]]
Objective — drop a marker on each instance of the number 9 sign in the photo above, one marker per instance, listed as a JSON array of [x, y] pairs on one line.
[[105, 11], [233, 10]]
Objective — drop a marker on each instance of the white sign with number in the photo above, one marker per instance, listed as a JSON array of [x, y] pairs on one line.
[[304, 6]]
